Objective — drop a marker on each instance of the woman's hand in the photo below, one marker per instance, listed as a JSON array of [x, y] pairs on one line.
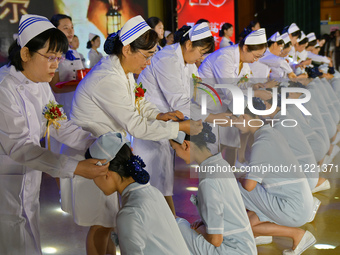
[[271, 84], [88, 169], [175, 116], [196, 224], [191, 127], [292, 76], [263, 94]]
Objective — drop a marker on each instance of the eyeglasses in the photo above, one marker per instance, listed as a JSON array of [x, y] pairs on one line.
[[52, 58], [146, 57], [256, 57]]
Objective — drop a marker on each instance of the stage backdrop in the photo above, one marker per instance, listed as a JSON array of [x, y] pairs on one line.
[[89, 16], [217, 12]]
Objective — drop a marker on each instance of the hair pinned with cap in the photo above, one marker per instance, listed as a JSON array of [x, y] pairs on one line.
[[202, 139], [258, 104], [136, 165]]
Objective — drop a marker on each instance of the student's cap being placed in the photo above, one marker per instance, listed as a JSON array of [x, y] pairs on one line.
[[256, 37], [30, 26], [293, 28], [107, 146], [285, 38], [133, 29], [275, 37]]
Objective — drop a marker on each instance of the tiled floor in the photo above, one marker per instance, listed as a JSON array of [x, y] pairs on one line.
[[62, 236]]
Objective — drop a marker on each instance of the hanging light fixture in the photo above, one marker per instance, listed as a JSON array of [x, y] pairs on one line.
[[113, 17]]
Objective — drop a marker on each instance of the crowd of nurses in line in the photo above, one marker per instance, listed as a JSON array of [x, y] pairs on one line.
[[109, 103]]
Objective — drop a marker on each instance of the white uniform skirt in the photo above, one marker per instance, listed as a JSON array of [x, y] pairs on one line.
[[85, 201], [158, 157]]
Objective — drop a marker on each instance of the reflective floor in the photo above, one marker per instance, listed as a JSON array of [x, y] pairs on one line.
[[60, 235]]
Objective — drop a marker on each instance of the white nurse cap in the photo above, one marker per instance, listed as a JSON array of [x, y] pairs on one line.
[[303, 36], [91, 36], [316, 45], [293, 28], [311, 37], [133, 29], [167, 33], [275, 37], [30, 26], [199, 31], [285, 37], [256, 37], [107, 146]]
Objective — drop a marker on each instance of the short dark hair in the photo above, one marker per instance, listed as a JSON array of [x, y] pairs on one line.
[[304, 41], [113, 45], [153, 21], [207, 43], [89, 44], [55, 20], [225, 26], [201, 21], [56, 39], [287, 45], [270, 43], [312, 43]]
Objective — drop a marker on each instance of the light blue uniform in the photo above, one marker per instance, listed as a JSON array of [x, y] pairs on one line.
[[318, 98], [316, 122], [315, 141], [281, 197], [221, 208], [146, 225], [300, 147]]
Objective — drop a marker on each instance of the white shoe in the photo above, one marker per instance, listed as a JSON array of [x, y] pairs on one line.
[[323, 186], [307, 241], [316, 206], [263, 240], [335, 151]]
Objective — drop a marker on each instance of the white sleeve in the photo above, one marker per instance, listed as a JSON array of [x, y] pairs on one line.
[[318, 58], [173, 87], [131, 233], [117, 104], [92, 58], [284, 65], [16, 142]]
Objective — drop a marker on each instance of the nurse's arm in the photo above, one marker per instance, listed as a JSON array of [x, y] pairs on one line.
[[248, 184], [214, 239]]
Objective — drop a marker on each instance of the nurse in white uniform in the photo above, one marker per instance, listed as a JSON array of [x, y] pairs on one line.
[[93, 44], [278, 201], [224, 226], [226, 31], [67, 70], [24, 93], [145, 224], [108, 99], [271, 64], [229, 65], [168, 82]]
